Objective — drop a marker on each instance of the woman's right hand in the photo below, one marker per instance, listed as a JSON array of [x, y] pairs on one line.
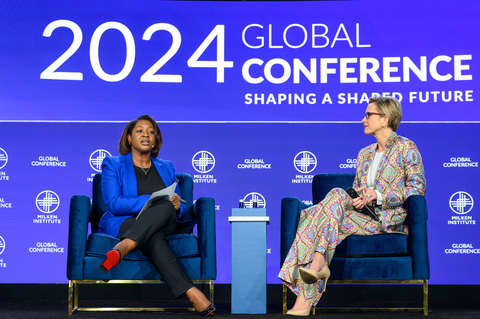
[[367, 195], [176, 201], [358, 203]]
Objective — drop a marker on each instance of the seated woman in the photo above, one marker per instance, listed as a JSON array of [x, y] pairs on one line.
[[388, 172], [128, 181]]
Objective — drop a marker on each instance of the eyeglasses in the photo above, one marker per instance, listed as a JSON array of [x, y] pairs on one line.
[[367, 114]]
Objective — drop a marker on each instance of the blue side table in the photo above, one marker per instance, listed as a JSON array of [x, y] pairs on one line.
[[249, 260]]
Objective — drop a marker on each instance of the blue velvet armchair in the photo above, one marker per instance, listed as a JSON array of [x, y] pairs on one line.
[[86, 251], [383, 258]]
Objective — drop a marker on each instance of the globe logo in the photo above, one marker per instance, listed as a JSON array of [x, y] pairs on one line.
[[461, 203], [47, 202], [305, 162], [2, 245], [251, 197], [3, 158], [203, 162], [96, 159]]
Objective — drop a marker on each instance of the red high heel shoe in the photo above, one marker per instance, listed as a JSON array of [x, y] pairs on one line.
[[114, 257], [208, 311]]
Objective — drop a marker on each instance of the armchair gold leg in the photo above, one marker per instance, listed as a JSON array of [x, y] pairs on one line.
[[70, 297], [76, 287], [424, 305], [211, 291], [73, 295], [425, 297]]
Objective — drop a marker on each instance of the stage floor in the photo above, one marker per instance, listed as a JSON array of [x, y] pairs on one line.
[[40, 309]]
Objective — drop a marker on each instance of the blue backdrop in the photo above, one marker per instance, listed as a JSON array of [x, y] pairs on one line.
[[253, 87]]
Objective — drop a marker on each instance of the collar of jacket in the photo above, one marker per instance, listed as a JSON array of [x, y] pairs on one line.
[[388, 145]]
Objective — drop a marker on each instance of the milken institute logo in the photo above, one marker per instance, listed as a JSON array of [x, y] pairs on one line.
[[203, 162], [461, 203], [96, 159], [305, 162], [3, 158], [251, 197], [47, 202]]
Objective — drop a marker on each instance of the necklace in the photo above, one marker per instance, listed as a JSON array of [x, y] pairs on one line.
[[143, 169]]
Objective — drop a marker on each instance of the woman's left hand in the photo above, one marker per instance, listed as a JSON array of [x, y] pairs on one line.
[[367, 195], [175, 201]]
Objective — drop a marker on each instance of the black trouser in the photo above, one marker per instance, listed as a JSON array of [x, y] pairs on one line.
[[150, 231]]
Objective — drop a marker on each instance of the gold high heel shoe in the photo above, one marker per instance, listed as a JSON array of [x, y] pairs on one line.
[[302, 313], [310, 276]]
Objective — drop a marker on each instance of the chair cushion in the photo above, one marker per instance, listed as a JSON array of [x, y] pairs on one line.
[[136, 269], [373, 246], [371, 268], [183, 245]]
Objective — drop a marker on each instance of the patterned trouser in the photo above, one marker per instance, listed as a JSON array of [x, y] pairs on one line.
[[321, 228]]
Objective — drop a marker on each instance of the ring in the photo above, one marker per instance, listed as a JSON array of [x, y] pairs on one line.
[[368, 195]]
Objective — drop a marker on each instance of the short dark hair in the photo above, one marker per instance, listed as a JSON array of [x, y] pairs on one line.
[[124, 147], [391, 107]]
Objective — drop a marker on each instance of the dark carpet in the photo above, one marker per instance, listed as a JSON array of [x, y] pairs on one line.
[[58, 309]]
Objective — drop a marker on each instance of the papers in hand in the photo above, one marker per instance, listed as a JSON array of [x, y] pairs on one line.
[[166, 193]]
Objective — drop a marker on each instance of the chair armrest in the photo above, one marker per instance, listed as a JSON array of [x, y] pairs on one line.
[[204, 209], [185, 183], [290, 215], [80, 209], [417, 213], [324, 183]]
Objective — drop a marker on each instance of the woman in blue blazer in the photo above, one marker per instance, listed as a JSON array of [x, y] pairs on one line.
[[128, 181]]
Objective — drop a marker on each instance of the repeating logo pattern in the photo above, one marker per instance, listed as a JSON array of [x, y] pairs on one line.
[[305, 162], [3, 158], [203, 161], [96, 159], [251, 197], [47, 202], [2, 245], [461, 203]]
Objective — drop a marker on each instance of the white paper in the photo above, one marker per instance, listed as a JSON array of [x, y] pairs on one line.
[[166, 193]]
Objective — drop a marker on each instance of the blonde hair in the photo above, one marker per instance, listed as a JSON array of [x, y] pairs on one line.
[[392, 109]]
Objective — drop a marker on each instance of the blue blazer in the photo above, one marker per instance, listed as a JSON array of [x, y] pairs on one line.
[[119, 188]]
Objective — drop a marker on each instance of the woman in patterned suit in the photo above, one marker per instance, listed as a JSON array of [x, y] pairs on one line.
[[388, 172]]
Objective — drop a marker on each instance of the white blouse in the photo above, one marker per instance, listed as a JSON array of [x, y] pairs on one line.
[[372, 172]]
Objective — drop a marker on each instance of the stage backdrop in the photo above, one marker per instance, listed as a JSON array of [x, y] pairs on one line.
[[253, 99]]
